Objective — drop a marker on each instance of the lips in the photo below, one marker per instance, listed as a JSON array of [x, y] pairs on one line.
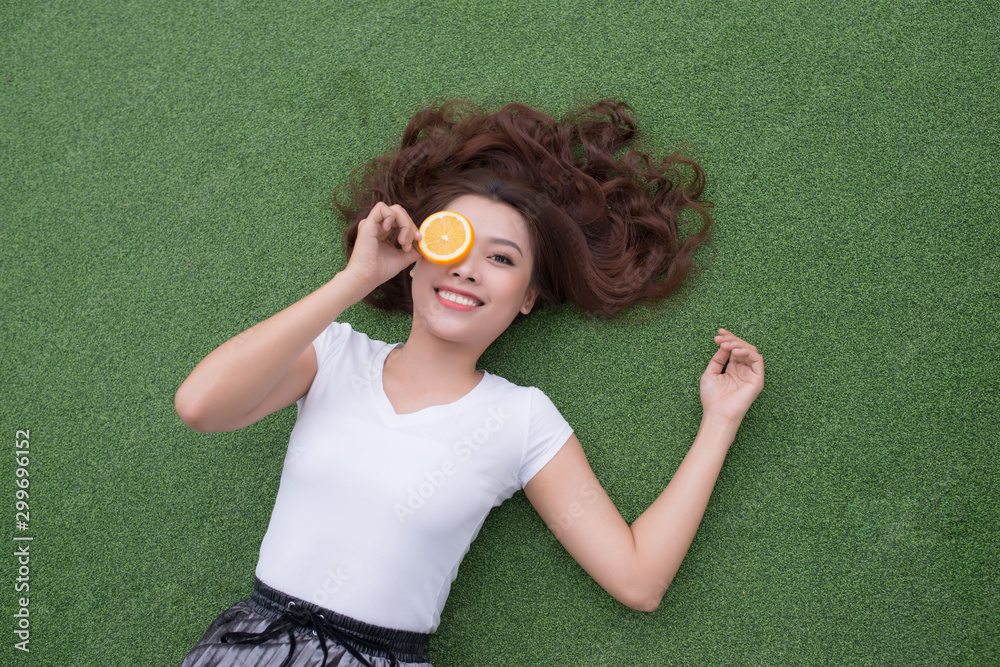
[[456, 299]]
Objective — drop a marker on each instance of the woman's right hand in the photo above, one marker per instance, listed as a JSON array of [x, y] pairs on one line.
[[378, 253], [733, 380]]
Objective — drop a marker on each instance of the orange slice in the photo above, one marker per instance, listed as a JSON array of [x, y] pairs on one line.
[[447, 237]]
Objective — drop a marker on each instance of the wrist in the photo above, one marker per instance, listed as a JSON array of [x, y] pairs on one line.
[[719, 424], [352, 284]]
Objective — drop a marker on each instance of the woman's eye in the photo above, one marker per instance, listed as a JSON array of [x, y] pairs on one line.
[[503, 259]]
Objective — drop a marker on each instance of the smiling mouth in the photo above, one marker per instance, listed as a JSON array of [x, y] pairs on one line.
[[460, 299]]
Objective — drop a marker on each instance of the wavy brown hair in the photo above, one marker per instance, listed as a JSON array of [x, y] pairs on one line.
[[605, 217]]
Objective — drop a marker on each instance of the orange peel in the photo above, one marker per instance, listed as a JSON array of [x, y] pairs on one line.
[[447, 237]]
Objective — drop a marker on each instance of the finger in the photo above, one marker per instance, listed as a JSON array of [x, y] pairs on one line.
[[408, 232], [744, 353], [407, 235], [404, 239], [401, 214], [728, 335], [724, 336], [734, 343], [718, 362], [374, 223], [738, 348], [749, 359], [755, 360], [380, 211], [386, 218]]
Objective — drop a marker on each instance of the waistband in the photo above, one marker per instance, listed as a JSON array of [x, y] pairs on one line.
[[373, 640]]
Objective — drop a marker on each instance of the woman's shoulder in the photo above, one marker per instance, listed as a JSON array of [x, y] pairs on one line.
[[496, 386], [500, 383], [340, 336]]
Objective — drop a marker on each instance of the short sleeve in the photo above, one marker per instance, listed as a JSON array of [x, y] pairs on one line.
[[328, 346], [548, 431], [331, 342]]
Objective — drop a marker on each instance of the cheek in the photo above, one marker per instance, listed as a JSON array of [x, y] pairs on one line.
[[422, 272], [518, 290]]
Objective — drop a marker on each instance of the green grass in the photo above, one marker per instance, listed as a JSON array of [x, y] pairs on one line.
[[166, 170]]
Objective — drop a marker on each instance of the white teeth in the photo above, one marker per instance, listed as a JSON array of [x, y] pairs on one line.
[[459, 299]]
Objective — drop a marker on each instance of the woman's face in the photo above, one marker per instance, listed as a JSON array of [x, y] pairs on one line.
[[475, 299]]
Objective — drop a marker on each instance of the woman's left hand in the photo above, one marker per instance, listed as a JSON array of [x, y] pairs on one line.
[[733, 379]]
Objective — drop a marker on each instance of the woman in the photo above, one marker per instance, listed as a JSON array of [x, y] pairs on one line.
[[400, 451]]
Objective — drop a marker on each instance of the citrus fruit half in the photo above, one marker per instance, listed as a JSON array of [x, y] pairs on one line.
[[447, 237]]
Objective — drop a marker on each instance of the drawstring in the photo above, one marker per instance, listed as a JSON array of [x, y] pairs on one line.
[[292, 618]]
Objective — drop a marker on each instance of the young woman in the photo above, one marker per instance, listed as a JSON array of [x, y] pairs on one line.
[[400, 451]]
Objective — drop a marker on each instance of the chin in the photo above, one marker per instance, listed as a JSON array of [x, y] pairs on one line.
[[451, 327]]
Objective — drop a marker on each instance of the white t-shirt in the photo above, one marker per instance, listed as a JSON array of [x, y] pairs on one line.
[[376, 510]]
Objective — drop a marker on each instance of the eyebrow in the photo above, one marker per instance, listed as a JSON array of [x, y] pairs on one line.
[[507, 242]]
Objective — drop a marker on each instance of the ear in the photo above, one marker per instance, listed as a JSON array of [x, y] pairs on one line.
[[529, 300]]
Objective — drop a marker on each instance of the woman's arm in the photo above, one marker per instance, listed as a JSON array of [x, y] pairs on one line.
[[636, 563], [272, 364]]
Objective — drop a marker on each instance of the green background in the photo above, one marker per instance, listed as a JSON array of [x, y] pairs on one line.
[[166, 173]]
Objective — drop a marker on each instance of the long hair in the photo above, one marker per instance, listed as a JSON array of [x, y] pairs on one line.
[[605, 217]]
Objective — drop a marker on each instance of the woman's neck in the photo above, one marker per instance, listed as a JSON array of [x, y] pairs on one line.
[[427, 371]]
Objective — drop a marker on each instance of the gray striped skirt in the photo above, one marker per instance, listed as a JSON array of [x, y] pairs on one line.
[[272, 629]]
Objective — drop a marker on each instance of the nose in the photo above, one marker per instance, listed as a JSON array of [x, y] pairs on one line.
[[465, 269]]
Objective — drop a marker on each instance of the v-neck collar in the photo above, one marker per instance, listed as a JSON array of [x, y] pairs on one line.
[[384, 405]]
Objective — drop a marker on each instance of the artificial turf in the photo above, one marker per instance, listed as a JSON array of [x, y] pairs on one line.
[[166, 173]]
